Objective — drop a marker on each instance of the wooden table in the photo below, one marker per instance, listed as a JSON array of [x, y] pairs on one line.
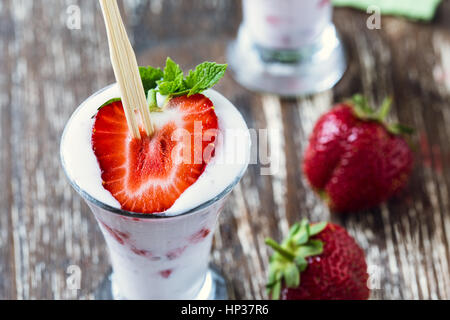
[[48, 69]]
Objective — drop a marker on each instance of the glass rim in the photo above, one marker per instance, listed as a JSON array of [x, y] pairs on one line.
[[86, 196]]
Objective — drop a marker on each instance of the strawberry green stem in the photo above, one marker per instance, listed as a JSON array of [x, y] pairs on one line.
[[282, 251], [152, 101], [364, 112], [384, 109]]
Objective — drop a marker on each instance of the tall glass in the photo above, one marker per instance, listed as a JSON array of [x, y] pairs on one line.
[[288, 47], [157, 256]]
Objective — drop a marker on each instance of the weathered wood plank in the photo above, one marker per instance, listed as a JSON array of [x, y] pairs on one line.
[[47, 70], [7, 262]]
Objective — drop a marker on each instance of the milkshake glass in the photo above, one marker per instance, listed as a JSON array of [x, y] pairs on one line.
[[288, 47], [156, 256]]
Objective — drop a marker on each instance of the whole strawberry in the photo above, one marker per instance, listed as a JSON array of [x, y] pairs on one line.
[[317, 262], [354, 159]]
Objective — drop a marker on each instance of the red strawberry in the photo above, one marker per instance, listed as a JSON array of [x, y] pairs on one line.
[[317, 262], [142, 174], [354, 159]]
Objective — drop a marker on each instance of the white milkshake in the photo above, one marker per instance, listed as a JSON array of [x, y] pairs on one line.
[[162, 256], [286, 24], [287, 47]]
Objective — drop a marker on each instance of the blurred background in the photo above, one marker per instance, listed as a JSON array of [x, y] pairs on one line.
[[47, 68]]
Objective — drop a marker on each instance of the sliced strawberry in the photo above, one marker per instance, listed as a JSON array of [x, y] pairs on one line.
[[144, 175]]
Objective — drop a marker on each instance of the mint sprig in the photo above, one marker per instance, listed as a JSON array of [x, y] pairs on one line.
[[289, 259], [172, 83], [203, 77]]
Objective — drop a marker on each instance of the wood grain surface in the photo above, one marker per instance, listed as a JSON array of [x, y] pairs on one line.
[[47, 69]]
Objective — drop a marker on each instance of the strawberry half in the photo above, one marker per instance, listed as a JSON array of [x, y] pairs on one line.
[[148, 175]]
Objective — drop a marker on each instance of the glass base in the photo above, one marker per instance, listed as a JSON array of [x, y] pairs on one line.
[[310, 69], [214, 288]]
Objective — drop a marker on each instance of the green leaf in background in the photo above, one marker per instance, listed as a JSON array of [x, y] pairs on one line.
[[413, 9]]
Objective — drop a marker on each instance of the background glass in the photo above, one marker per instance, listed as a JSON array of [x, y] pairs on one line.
[[287, 47]]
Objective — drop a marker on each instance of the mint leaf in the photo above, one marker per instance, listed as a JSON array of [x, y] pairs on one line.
[[150, 76], [173, 79], [172, 83], [172, 71], [167, 88], [205, 76]]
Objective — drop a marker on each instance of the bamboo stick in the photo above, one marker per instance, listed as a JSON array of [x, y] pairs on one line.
[[126, 70]]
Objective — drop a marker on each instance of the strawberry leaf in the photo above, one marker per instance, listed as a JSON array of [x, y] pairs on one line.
[[294, 229], [289, 259], [107, 103], [400, 129], [384, 109], [312, 248], [317, 228], [363, 111], [303, 233], [291, 276], [301, 263], [361, 107], [276, 290]]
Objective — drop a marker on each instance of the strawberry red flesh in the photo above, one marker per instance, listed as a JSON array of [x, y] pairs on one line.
[[143, 175]]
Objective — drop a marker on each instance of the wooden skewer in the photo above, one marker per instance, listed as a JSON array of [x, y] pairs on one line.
[[126, 70]]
